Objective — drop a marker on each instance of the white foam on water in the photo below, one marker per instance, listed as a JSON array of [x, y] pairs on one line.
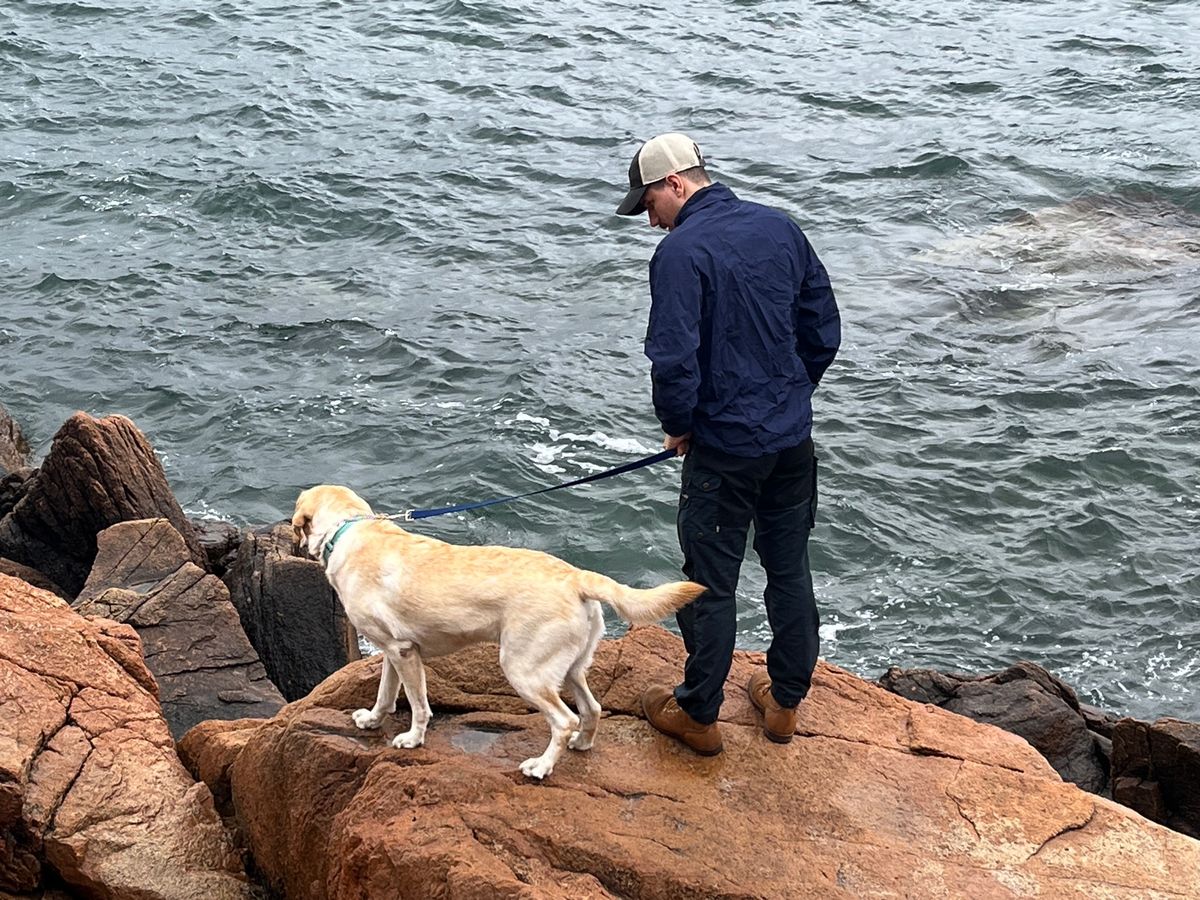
[[526, 417], [544, 456], [829, 631], [566, 447], [202, 510], [600, 439]]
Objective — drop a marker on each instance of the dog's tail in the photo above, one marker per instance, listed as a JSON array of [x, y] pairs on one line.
[[634, 605]]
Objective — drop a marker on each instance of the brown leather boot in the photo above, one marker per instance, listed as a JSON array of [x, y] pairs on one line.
[[779, 722], [658, 703]]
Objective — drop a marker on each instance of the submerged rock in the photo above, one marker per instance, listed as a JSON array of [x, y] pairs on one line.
[[1081, 240], [877, 796], [91, 791]]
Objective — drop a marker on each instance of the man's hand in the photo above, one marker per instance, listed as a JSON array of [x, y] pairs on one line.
[[678, 444]]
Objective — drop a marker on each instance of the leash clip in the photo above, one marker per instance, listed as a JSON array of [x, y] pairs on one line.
[[406, 516]]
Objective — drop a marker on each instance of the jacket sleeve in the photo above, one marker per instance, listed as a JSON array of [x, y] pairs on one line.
[[817, 320], [673, 338]]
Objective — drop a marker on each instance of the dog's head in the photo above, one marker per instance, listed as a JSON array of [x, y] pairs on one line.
[[318, 511]]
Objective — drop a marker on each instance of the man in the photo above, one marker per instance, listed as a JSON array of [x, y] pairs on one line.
[[743, 324]]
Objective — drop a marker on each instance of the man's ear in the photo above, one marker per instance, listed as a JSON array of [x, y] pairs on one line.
[[675, 183]]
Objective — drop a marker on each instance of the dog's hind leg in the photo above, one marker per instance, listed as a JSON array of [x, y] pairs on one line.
[[385, 700], [406, 658], [589, 709], [537, 675]]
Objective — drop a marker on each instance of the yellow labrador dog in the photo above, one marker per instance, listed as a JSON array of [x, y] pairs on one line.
[[415, 597]]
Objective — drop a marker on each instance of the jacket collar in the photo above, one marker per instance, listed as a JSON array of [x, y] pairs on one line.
[[707, 196]]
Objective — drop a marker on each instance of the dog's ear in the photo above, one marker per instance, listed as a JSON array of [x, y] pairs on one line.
[[301, 527]]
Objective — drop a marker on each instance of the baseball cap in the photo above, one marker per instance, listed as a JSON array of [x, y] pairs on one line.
[[655, 160]]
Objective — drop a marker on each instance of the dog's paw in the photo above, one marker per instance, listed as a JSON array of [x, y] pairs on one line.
[[536, 768], [408, 740], [364, 718], [579, 741]]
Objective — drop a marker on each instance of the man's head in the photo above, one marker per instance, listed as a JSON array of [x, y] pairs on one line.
[[664, 174]]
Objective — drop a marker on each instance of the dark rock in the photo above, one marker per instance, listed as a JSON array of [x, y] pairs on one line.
[[1141, 795], [14, 449], [922, 685], [220, 541], [1098, 720], [1024, 699], [191, 635], [31, 576], [13, 487], [99, 472], [1175, 762], [290, 613], [1131, 749], [1156, 770], [1104, 752]]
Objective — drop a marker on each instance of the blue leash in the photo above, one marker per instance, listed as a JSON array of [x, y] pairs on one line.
[[414, 514]]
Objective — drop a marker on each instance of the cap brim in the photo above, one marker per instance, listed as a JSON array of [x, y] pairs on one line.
[[632, 204]]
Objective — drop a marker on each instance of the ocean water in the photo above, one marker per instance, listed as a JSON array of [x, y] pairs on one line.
[[374, 244]]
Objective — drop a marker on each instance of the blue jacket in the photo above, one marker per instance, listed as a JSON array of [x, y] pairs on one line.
[[743, 324]]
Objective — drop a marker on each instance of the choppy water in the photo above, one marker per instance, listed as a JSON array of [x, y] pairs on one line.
[[373, 243]]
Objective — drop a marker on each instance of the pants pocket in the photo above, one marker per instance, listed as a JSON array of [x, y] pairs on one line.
[[699, 505]]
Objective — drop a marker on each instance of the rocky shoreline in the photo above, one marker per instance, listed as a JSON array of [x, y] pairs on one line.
[[174, 722]]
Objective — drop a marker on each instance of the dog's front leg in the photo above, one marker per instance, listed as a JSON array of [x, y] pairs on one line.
[[385, 700], [407, 660]]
